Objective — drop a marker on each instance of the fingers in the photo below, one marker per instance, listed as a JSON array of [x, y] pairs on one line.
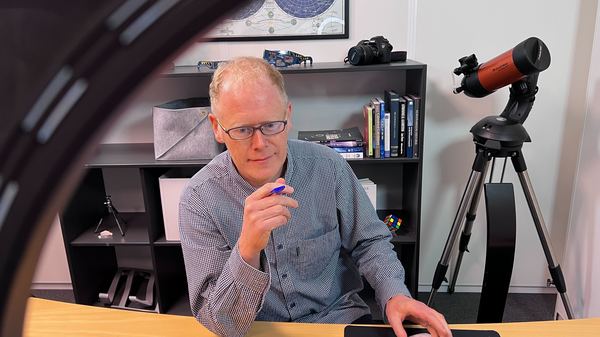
[[266, 190], [401, 307], [396, 323], [435, 324]]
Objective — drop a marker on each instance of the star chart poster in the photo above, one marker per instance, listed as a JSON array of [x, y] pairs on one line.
[[285, 20]]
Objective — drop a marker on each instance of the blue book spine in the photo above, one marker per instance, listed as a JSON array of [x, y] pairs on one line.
[[382, 128], [348, 149], [410, 117]]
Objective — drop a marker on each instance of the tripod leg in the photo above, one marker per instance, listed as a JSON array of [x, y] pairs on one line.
[[466, 234], [118, 222], [540, 226], [475, 179]]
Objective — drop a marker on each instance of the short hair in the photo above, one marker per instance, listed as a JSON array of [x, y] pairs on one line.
[[243, 70]]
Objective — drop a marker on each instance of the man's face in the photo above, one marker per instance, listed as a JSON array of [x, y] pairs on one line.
[[259, 159]]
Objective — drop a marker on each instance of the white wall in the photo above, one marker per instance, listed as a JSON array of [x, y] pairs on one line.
[[53, 271], [438, 33], [582, 265]]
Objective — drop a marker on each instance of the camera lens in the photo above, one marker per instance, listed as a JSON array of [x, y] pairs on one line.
[[360, 54]]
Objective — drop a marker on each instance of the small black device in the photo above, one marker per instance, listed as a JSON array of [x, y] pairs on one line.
[[374, 51]]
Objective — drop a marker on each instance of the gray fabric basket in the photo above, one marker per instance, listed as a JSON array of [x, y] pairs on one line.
[[182, 130]]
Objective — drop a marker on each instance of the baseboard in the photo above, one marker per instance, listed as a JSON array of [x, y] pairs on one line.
[[51, 286], [477, 289]]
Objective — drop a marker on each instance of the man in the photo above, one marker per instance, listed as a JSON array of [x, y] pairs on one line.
[[296, 255]]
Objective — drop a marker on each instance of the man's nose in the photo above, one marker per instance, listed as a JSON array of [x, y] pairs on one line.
[[258, 139]]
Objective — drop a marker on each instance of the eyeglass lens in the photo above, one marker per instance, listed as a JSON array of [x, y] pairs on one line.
[[267, 129]]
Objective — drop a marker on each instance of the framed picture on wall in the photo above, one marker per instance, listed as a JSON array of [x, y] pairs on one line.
[[285, 20]]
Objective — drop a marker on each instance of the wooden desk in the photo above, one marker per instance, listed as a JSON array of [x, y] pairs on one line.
[[50, 318]]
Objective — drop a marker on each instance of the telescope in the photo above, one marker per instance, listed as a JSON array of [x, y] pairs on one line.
[[527, 58], [499, 137]]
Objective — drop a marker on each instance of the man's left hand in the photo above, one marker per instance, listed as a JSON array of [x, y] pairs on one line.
[[401, 307]]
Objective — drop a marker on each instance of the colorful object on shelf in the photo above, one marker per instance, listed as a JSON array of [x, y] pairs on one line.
[[393, 222], [284, 58]]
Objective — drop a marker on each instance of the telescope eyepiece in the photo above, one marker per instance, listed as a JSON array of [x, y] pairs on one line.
[[467, 64]]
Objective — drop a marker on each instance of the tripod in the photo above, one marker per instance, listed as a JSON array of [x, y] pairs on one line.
[[115, 214], [500, 137]]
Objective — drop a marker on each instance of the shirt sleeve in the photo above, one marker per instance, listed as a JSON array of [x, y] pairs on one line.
[[225, 292], [367, 238]]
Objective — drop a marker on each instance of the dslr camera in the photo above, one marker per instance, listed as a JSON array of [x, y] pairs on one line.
[[376, 50]]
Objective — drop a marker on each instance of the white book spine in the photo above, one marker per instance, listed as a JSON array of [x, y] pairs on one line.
[[387, 133], [351, 155]]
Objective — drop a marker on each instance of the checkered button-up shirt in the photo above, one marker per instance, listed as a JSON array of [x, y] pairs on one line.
[[310, 270]]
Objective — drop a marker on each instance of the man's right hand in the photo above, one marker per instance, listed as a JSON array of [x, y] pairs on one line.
[[263, 212]]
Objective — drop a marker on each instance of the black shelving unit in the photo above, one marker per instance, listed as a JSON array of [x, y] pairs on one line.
[[94, 261]]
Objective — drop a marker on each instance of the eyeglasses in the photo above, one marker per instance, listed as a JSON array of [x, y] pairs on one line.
[[245, 132], [284, 58]]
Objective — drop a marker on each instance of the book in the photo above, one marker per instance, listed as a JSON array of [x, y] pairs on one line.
[[417, 113], [325, 136], [381, 127], [352, 155], [348, 143], [348, 149], [371, 189], [409, 126], [368, 131], [376, 128], [402, 128], [386, 135], [392, 103]]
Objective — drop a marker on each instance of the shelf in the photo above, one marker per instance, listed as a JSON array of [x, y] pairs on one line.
[[401, 178], [317, 67], [136, 232], [134, 155], [409, 236], [383, 161], [164, 242], [140, 155]]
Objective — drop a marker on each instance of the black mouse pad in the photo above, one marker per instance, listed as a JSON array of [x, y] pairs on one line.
[[384, 331]]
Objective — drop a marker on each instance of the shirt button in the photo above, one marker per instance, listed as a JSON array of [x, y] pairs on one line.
[[280, 246], [284, 276], [293, 304]]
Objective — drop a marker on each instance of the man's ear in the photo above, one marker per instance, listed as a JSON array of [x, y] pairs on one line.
[[288, 116], [216, 129]]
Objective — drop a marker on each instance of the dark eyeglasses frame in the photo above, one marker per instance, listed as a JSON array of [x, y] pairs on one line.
[[254, 128]]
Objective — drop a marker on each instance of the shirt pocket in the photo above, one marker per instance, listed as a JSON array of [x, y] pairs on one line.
[[314, 255]]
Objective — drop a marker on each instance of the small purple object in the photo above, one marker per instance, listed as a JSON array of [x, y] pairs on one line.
[[277, 190]]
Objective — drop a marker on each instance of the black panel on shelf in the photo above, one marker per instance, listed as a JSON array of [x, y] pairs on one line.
[[170, 276], [92, 269]]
